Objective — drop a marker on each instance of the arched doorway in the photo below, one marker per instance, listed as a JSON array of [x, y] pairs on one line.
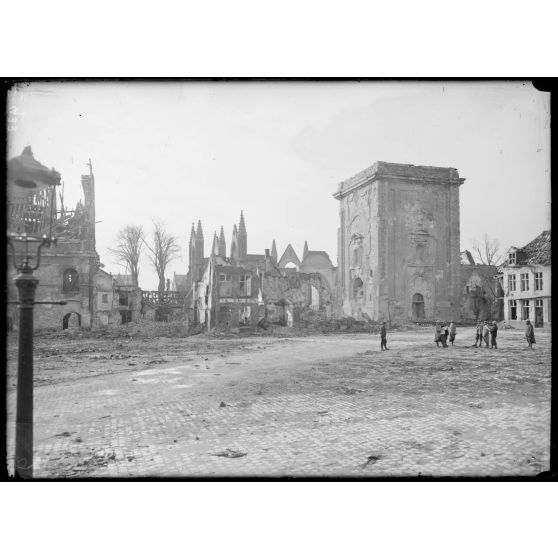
[[71, 320], [418, 307]]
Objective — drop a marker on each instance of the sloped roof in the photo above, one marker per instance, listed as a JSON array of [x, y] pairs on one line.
[[536, 252]]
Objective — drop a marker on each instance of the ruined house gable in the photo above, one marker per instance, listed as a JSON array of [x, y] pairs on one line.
[[289, 257]]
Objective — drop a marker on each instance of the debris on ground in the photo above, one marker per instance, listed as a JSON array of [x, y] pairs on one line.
[[323, 412], [222, 404], [371, 460], [229, 453], [64, 435], [157, 361], [351, 391]]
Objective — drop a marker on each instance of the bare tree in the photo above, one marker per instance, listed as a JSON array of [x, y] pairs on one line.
[[129, 246], [488, 251], [163, 249]]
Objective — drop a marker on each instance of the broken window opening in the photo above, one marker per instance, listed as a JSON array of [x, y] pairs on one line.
[[105, 298], [122, 299], [126, 316], [245, 285], [314, 298], [244, 316], [70, 281], [225, 284], [512, 258]]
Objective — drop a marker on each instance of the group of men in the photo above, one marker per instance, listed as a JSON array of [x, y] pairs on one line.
[[487, 332], [443, 332]]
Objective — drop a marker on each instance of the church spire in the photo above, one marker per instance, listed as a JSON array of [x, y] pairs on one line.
[[274, 251], [242, 238], [234, 244], [222, 244], [215, 245], [305, 251], [199, 244]]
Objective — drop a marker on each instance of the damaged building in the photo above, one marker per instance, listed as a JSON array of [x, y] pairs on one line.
[[242, 289], [525, 278], [69, 271], [481, 291], [398, 243]]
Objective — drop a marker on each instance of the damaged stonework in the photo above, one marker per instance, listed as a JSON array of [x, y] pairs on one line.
[[398, 243], [243, 289], [69, 271]]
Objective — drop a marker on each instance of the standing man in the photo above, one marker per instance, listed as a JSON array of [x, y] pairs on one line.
[[383, 337], [445, 335], [485, 334], [493, 334], [452, 331], [478, 337], [438, 333], [530, 334]]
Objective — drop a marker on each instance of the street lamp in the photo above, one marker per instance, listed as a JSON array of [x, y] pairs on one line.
[[31, 199]]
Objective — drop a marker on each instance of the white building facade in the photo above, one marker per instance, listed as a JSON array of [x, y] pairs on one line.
[[526, 281]]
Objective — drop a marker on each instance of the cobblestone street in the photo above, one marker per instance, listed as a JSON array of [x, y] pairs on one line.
[[329, 405]]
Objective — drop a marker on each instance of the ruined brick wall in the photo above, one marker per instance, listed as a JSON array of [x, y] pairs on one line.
[[399, 243], [289, 296], [55, 261]]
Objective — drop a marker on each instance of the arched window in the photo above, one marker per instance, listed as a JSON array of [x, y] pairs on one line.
[[70, 281], [358, 288]]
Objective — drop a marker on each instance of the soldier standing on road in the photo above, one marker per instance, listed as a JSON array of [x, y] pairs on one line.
[[530, 334], [383, 337], [452, 331], [478, 338], [438, 333], [485, 334], [445, 335], [493, 334]]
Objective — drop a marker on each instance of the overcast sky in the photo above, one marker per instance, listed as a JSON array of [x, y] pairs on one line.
[[179, 152]]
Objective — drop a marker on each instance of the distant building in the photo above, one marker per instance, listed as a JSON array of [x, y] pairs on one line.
[[242, 289], [525, 280]]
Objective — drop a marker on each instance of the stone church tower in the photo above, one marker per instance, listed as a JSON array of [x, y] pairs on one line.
[[398, 243]]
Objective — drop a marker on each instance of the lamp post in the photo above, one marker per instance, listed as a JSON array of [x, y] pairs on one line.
[[30, 216]]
